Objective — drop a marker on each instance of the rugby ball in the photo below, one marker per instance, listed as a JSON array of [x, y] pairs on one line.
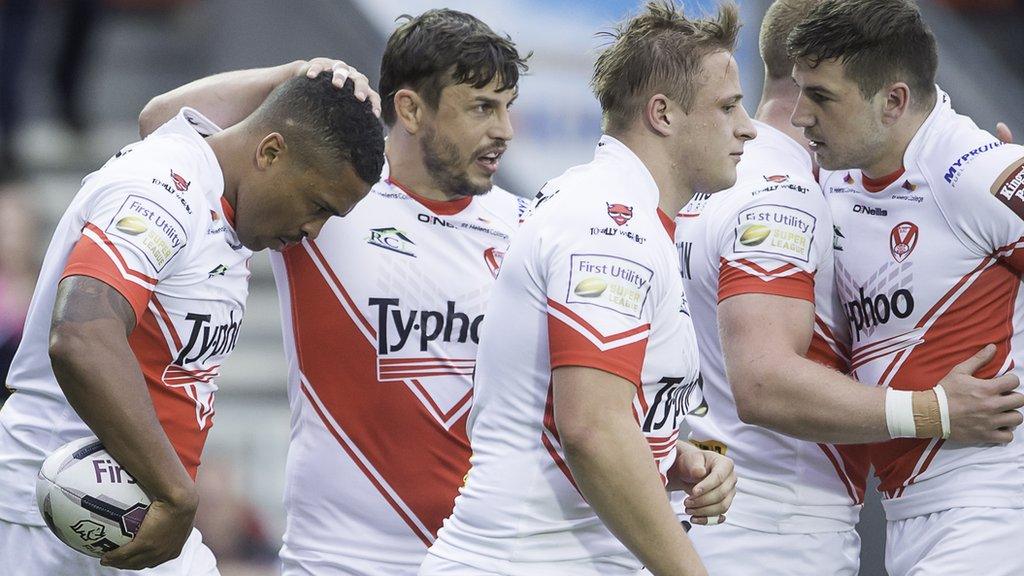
[[754, 234], [90, 502]]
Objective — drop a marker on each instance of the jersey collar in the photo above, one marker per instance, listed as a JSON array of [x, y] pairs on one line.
[[439, 207]]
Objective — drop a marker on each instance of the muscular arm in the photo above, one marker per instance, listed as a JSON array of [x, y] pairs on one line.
[[614, 470], [764, 340], [226, 99], [102, 381]]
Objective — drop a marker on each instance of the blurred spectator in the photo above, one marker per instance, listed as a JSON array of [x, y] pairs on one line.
[[228, 519], [19, 236], [15, 23]]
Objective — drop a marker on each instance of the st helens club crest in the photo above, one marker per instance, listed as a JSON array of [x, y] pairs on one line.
[[493, 258], [620, 213], [903, 240]]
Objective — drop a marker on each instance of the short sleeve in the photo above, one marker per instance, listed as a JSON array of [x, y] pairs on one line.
[[599, 285], [776, 242], [133, 235], [982, 195]]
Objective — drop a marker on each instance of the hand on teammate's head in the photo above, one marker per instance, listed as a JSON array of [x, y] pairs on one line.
[[342, 72]]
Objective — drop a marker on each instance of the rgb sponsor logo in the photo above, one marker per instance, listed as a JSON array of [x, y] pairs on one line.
[[392, 239], [775, 229], [872, 310], [610, 282], [149, 227], [903, 240]]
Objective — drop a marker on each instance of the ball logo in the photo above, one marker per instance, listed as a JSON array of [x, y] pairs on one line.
[[590, 287], [755, 234], [133, 225], [620, 213], [89, 530], [903, 240]]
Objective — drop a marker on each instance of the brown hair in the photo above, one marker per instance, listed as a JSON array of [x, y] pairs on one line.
[[877, 41], [658, 51], [444, 47], [780, 19]]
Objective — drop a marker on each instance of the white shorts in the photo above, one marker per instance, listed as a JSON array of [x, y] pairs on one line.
[[312, 563], [35, 551], [729, 550], [957, 541], [437, 566]]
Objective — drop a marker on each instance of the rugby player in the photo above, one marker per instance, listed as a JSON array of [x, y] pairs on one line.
[[382, 313], [757, 264], [140, 299], [928, 269], [588, 356]]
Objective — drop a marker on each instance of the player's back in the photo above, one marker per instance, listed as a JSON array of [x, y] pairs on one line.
[[929, 274], [382, 316], [151, 224], [770, 233], [591, 280]]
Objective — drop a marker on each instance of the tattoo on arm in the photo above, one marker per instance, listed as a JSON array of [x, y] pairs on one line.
[[83, 299]]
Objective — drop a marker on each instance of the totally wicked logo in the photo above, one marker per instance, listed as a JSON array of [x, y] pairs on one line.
[[777, 178], [903, 240], [620, 213], [179, 182]]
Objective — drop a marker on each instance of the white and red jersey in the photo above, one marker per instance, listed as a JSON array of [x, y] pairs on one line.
[[382, 316], [591, 279], [771, 233], [153, 225], [928, 267]]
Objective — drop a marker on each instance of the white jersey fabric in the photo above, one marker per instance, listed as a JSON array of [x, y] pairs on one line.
[[928, 267], [382, 315], [591, 279], [150, 223], [771, 233]]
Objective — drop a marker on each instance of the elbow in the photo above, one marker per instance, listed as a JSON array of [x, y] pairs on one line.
[[579, 439], [148, 118], [751, 401], [64, 347]]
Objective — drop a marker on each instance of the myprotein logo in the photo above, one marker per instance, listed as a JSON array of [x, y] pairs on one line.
[[868, 311], [956, 168], [398, 328], [869, 210]]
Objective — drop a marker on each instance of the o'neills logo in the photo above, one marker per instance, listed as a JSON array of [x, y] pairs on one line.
[[903, 240], [620, 213], [396, 327]]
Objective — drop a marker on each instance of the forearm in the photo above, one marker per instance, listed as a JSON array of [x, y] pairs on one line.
[[615, 472], [788, 393], [225, 99]]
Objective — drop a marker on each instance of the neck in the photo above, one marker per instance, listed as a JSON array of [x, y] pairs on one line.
[[778, 100], [673, 190], [891, 157], [405, 164], [232, 149]]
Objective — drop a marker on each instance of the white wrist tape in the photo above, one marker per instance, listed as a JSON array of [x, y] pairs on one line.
[[899, 413], [940, 395], [712, 520]]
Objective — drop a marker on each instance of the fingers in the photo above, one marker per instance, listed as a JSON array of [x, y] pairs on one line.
[[721, 473], [714, 502], [974, 363], [341, 73], [708, 521], [1003, 133], [1008, 420], [1006, 383]]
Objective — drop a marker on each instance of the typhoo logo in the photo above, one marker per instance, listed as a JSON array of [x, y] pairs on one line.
[[397, 328], [869, 311]]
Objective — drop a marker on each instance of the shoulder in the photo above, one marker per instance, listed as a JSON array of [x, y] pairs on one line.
[[507, 207]]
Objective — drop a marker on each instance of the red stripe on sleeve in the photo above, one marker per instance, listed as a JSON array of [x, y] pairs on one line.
[[88, 259], [570, 348], [732, 281]]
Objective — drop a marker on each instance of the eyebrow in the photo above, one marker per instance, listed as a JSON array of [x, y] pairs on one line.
[[815, 88], [734, 99], [494, 101]]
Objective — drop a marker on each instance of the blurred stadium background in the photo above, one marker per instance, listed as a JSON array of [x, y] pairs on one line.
[[75, 73]]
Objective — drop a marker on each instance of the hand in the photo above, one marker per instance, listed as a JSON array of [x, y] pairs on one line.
[[1003, 133], [160, 538], [343, 72], [709, 479], [982, 411]]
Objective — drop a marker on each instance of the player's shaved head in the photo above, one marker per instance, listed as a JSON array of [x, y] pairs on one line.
[[444, 47], [780, 19], [325, 124], [659, 51]]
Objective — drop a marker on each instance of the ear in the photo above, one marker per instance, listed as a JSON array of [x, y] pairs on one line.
[[270, 150], [659, 114], [896, 103], [409, 110]]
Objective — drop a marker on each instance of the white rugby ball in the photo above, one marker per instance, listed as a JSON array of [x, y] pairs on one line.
[[90, 502]]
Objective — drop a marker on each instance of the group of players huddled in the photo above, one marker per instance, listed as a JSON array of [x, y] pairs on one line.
[[829, 287]]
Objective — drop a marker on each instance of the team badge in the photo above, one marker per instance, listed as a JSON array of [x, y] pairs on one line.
[[903, 240], [180, 183], [493, 258], [620, 213]]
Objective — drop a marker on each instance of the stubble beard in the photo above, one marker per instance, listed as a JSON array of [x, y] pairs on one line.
[[447, 167]]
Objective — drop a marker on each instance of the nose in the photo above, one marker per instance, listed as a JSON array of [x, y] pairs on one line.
[[801, 117], [502, 129], [312, 228], [745, 130]]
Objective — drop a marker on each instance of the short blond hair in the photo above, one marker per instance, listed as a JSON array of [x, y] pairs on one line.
[[658, 51], [780, 19]]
